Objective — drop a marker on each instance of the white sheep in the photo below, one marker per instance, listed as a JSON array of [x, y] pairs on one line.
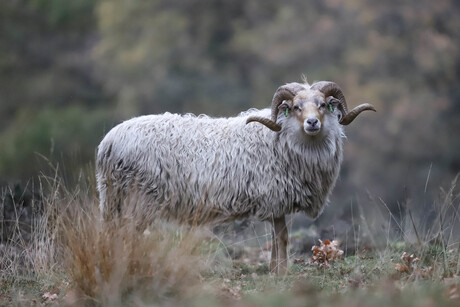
[[202, 169]]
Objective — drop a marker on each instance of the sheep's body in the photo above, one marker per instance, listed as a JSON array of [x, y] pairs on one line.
[[204, 169], [181, 164]]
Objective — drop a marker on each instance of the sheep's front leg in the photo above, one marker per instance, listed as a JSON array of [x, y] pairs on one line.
[[278, 262], [274, 255]]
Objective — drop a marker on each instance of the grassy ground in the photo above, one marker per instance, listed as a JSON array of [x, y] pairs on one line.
[[370, 279], [74, 259]]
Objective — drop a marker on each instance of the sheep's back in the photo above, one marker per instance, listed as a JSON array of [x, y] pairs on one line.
[[187, 160]]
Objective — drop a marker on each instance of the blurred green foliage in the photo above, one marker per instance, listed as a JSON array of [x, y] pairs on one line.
[[67, 136], [51, 103], [57, 13], [69, 70]]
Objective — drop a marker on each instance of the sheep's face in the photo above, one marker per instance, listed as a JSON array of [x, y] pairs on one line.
[[310, 110]]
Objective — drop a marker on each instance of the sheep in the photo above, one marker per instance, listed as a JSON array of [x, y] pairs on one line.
[[221, 169]]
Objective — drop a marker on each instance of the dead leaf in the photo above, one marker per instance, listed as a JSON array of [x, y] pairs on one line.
[[409, 266], [453, 292], [299, 261], [233, 292], [49, 297], [326, 252]]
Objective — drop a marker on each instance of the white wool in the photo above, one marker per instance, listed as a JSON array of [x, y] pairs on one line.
[[180, 164]]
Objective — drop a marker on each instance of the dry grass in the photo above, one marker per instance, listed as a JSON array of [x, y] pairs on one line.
[[114, 262], [75, 259], [107, 263]]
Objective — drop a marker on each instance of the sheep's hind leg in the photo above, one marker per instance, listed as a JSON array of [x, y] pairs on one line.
[[278, 262], [110, 200]]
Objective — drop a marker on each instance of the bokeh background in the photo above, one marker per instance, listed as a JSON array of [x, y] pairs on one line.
[[71, 70]]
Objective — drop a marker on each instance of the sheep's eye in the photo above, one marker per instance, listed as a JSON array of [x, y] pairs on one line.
[[322, 105], [296, 108]]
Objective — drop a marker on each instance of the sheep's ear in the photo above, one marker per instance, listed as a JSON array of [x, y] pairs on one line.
[[332, 103], [284, 108]]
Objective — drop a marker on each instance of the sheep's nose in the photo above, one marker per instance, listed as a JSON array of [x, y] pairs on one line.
[[312, 121]]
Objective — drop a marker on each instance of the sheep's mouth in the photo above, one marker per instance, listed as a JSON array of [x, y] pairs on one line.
[[312, 131]]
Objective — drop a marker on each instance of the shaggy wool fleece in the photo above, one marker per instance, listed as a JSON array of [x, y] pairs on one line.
[[178, 165]]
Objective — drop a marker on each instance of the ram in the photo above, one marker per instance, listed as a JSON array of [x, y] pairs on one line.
[[263, 164]]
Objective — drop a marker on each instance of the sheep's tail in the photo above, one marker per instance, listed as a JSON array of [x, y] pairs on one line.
[[109, 198]]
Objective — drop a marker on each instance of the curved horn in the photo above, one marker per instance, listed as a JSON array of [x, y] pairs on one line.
[[332, 89], [285, 92], [350, 116], [264, 121]]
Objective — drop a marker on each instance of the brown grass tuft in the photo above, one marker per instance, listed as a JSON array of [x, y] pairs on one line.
[[116, 263]]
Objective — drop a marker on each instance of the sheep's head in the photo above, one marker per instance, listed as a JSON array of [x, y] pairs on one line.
[[309, 105]]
